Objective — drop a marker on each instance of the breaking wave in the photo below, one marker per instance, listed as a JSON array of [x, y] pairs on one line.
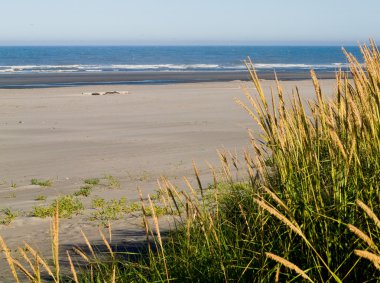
[[161, 67]]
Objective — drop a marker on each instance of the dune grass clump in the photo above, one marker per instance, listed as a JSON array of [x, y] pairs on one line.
[[296, 215], [308, 208]]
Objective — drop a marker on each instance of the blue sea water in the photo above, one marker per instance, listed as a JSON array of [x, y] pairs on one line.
[[58, 59]]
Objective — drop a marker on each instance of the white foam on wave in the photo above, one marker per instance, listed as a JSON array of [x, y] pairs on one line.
[[96, 68], [94, 71], [7, 70], [157, 67], [165, 66], [298, 66]]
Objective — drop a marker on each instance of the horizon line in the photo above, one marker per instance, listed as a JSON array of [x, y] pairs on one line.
[[183, 45]]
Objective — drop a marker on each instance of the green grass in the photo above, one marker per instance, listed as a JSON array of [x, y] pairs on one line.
[[41, 182], [112, 209], [98, 202], [92, 181], [67, 207], [108, 210], [159, 211], [156, 195], [113, 182], [40, 198], [84, 191], [7, 216]]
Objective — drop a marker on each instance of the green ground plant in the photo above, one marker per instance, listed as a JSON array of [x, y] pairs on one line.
[[156, 195], [158, 210], [7, 216], [113, 182], [92, 181], [84, 191], [41, 182], [112, 209], [40, 198], [67, 207]]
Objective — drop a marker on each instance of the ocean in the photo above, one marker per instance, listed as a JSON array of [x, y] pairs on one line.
[[72, 59], [47, 66]]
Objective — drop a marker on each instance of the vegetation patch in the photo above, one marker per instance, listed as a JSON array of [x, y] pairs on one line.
[[156, 195], [84, 191], [7, 216], [92, 181], [40, 198], [67, 207], [159, 210], [113, 182], [41, 182], [112, 209]]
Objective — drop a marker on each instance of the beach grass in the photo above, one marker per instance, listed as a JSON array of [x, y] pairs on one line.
[[92, 181], [308, 208], [7, 216], [84, 191], [113, 182], [40, 198], [41, 182]]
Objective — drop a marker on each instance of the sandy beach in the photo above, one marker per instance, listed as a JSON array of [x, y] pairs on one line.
[[64, 136]]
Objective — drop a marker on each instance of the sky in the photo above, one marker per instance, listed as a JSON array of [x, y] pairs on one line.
[[195, 22]]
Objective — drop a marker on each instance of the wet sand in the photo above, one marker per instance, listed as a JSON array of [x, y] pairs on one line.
[[39, 80]]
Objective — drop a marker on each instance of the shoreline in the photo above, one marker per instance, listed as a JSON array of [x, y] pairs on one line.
[[47, 80]]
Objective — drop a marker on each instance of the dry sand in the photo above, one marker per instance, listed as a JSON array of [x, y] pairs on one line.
[[154, 130]]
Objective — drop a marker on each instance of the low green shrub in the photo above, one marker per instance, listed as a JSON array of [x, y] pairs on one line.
[[92, 181], [67, 206], [113, 209], [41, 182], [84, 191], [40, 198], [7, 216], [113, 182]]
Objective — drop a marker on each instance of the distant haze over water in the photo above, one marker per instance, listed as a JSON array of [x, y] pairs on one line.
[[61, 59]]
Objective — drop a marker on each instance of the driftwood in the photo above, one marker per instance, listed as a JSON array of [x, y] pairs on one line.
[[105, 93]]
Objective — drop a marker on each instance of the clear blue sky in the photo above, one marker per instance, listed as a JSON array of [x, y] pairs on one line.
[[164, 22]]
